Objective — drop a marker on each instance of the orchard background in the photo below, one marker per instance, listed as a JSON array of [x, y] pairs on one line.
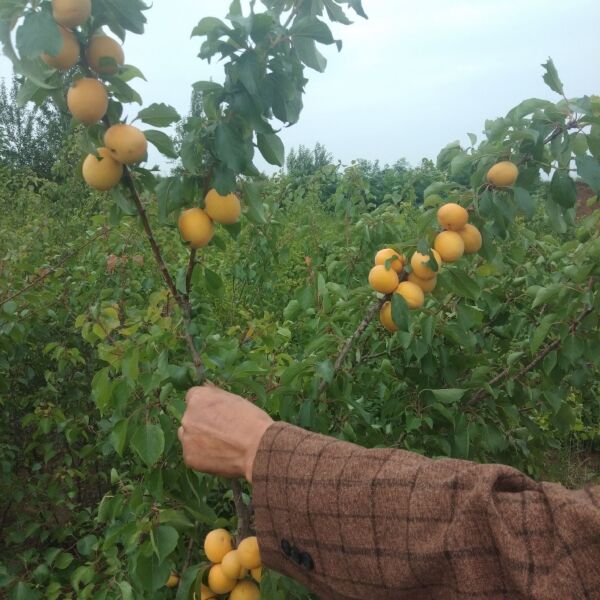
[[101, 331]]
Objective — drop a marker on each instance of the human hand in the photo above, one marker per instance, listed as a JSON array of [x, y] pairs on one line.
[[220, 432]]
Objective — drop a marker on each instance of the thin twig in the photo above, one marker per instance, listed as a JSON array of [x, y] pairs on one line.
[[536, 360], [189, 274], [244, 512], [373, 310], [55, 268]]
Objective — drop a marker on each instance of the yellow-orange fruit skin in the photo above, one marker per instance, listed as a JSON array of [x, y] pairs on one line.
[[427, 285], [383, 280], [452, 216], [245, 590], [222, 209], [471, 237], [197, 229], [127, 143], [419, 266], [257, 574], [231, 565], [412, 293], [450, 246], [102, 173], [102, 46], [503, 174], [386, 254], [385, 317], [69, 53], [249, 553], [218, 582], [71, 13], [218, 542], [87, 100], [173, 581]]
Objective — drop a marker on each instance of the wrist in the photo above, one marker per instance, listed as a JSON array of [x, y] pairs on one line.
[[252, 447]]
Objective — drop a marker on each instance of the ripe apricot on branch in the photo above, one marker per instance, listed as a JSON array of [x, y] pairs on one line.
[[385, 316], [427, 285], [173, 580], [218, 542], [419, 263], [71, 13], [197, 229], [69, 53], [450, 246], [103, 47], [222, 209], [218, 582], [412, 293], [127, 143], [249, 553], [87, 100], [503, 174], [257, 574], [472, 239], [388, 253], [383, 280], [245, 590], [452, 216], [231, 565], [102, 172]]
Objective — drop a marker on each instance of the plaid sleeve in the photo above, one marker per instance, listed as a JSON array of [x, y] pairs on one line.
[[353, 523]]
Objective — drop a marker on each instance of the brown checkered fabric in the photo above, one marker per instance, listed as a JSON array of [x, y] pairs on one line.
[[354, 523]]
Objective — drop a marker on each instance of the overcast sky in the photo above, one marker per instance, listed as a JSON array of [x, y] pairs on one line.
[[412, 78]]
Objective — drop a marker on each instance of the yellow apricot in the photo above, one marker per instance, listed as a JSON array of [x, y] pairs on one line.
[[249, 553], [219, 541], [503, 174], [471, 237], [68, 55], [173, 580], [102, 172], [386, 254], [197, 229], [206, 593], [452, 216], [257, 574], [412, 293], [231, 565], [102, 47], [385, 317], [222, 209], [245, 590], [218, 582], [427, 285], [383, 280], [87, 100], [419, 266], [450, 246], [127, 143], [71, 13]]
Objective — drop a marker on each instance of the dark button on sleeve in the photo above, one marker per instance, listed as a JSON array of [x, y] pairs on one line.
[[307, 561], [295, 555], [286, 547]]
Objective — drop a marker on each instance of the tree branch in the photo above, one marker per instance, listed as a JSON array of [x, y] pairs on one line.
[[189, 274], [244, 512], [373, 310], [536, 360]]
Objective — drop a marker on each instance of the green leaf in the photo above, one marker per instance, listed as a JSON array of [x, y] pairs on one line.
[[166, 538], [210, 25], [10, 307], [64, 560], [162, 142], [87, 544], [188, 582], [546, 293], [230, 147], [309, 55], [151, 573], [38, 33], [563, 190], [539, 335], [159, 115], [312, 28], [588, 168], [118, 436], [400, 312], [123, 91], [272, 149], [102, 389], [23, 591], [253, 198], [552, 79], [213, 280], [462, 283], [449, 396], [128, 13], [525, 202], [130, 365], [149, 443]]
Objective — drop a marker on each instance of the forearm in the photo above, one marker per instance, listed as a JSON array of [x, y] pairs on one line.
[[388, 524]]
